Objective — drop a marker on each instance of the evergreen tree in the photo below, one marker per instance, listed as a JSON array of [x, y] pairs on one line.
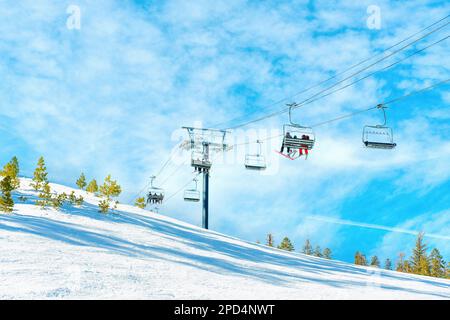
[[109, 189], [40, 175], [11, 169], [360, 259], [364, 260], [318, 252], [388, 264], [79, 201], [58, 200], [81, 182], [6, 200], [140, 202], [270, 241], [307, 248], [407, 267], [92, 186], [419, 261], [327, 253], [437, 264], [286, 245], [45, 196], [357, 258], [74, 200], [103, 206], [375, 262], [400, 262]]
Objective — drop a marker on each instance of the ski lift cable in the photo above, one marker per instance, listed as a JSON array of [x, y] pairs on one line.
[[349, 115], [181, 189], [173, 172], [346, 70], [157, 175], [213, 157], [375, 72], [308, 100]]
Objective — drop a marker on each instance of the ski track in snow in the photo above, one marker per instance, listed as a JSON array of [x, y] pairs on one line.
[[79, 253]]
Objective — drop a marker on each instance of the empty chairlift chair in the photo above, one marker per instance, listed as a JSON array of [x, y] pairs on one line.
[[296, 138], [192, 195], [379, 136], [155, 195], [255, 161]]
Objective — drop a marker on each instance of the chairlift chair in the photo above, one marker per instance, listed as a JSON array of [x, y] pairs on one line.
[[155, 195], [192, 195], [379, 136], [255, 161], [296, 136]]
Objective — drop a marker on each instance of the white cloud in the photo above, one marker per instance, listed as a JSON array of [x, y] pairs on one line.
[[107, 98]]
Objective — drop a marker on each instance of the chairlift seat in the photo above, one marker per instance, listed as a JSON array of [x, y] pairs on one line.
[[155, 195], [378, 137], [255, 162], [192, 195], [379, 145], [296, 143]]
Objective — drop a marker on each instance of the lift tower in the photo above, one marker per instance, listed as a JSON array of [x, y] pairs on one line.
[[202, 142]]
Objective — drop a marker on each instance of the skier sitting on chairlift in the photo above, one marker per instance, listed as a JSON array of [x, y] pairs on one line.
[[288, 135], [304, 137]]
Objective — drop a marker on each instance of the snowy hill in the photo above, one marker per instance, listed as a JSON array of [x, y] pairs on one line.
[[135, 254]]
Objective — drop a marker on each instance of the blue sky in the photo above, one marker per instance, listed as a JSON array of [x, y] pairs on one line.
[[111, 97]]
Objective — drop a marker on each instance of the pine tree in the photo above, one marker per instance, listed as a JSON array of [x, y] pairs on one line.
[[437, 264], [103, 206], [318, 252], [109, 189], [357, 258], [45, 196], [270, 241], [58, 200], [363, 260], [327, 253], [140, 202], [375, 262], [79, 201], [400, 262], [388, 264], [286, 245], [74, 200], [407, 267], [11, 169], [40, 175], [6, 200], [360, 259], [419, 261], [307, 248], [81, 182], [92, 186]]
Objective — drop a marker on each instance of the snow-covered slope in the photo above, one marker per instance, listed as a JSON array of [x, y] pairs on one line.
[[136, 254]]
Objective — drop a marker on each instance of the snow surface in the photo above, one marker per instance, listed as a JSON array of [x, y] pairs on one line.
[[79, 253]]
